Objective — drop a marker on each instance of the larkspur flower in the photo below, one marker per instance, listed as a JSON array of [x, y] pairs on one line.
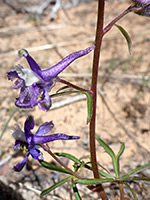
[[140, 3], [35, 84], [26, 140]]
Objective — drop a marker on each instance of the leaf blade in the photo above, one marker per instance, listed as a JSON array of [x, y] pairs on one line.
[[127, 37], [53, 167], [46, 191], [75, 190], [93, 181]]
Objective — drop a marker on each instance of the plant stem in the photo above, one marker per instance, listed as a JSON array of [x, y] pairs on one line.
[[47, 148], [121, 191], [131, 8], [73, 86], [98, 42]]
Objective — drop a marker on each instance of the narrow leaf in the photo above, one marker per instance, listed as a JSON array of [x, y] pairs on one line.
[[116, 161], [134, 171], [89, 106], [112, 155], [99, 171], [5, 127], [67, 155], [127, 37], [75, 190], [121, 150], [46, 191], [93, 181], [63, 93], [136, 178], [62, 88], [106, 147], [53, 167], [133, 193]]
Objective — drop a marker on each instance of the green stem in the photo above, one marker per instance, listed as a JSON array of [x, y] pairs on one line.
[[98, 42]]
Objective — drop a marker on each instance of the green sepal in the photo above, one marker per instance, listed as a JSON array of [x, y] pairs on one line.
[[54, 167], [127, 37], [46, 191], [75, 190]]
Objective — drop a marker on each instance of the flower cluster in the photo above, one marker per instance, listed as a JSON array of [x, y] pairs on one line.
[[30, 142], [34, 85]]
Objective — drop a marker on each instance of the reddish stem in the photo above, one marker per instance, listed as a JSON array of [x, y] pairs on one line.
[[98, 42], [131, 8]]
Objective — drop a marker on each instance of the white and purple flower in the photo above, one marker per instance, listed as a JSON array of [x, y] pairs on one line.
[[35, 84], [30, 142]]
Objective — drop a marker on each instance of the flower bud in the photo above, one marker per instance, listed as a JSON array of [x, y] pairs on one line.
[[145, 11]]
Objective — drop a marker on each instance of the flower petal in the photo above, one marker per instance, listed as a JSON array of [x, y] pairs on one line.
[[45, 128], [29, 96], [17, 143], [46, 103], [21, 164], [18, 134], [12, 74], [50, 138], [35, 153], [27, 75], [29, 123], [59, 67], [33, 65]]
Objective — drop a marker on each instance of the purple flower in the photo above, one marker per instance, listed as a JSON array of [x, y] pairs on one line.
[[140, 3], [26, 140], [35, 84]]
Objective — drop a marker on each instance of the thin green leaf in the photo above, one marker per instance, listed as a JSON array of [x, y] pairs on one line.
[[46, 191], [75, 190], [5, 127], [67, 155], [127, 37], [89, 106], [133, 193], [99, 171], [121, 151], [117, 160], [136, 178], [54, 167], [63, 93], [106, 147], [103, 168], [62, 88], [93, 181], [112, 155], [134, 171]]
